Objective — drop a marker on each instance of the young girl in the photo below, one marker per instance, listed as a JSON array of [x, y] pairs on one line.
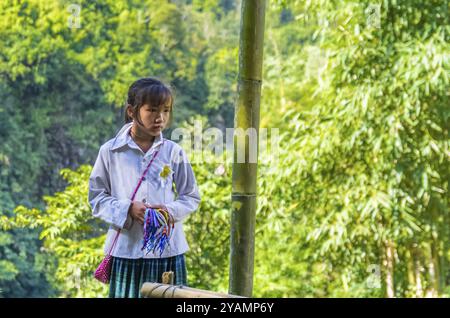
[[119, 166]]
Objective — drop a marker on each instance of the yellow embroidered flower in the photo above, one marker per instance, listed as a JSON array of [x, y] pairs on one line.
[[165, 172]]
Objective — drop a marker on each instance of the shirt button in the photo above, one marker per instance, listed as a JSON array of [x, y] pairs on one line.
[[143, 179]]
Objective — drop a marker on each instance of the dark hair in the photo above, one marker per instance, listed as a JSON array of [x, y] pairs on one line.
[[149, 91]]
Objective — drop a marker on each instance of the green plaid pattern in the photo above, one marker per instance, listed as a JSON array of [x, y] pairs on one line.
[[128, 275]]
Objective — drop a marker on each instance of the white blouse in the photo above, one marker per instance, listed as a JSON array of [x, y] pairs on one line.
[[119, 165]]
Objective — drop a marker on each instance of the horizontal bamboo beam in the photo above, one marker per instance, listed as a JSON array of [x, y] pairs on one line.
[[157, 290]]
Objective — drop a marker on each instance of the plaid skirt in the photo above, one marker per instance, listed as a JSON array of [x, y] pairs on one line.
[[128, 275]]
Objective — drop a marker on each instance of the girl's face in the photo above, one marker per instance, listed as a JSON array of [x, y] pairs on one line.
[[153, 118]]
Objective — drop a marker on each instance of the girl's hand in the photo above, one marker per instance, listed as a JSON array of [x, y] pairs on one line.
[[162, 207], [156, 206], [137, 211]]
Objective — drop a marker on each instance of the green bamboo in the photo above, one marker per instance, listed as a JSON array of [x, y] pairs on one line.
[[245, 174]]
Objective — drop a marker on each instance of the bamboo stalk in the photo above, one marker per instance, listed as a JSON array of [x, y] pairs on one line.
[[389, 265], [433, 271], [435, 268], [410, 270], [157, 290], [244, 174], [417, 272]]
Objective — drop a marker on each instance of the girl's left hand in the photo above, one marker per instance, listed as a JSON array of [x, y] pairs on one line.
[[156, 206], [163, 207]]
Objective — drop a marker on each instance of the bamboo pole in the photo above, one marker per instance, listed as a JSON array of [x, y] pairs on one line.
[[389, 266], [417, 270], [245, 174], [157, 290]]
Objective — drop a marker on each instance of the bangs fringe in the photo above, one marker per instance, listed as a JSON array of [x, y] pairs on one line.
[[154, 95]]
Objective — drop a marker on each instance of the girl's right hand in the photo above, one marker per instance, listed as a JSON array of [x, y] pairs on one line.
[[137, 211]]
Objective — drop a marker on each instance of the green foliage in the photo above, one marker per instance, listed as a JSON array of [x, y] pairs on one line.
[[360, 181], [366, 159], [69, 235], [62, 86], [207, 230], [24, 272]]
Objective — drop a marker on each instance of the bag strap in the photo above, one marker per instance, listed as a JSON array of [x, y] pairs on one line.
[[135, 191]]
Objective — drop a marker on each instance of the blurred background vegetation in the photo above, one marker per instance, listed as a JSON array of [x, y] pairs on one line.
[[356, 204]]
